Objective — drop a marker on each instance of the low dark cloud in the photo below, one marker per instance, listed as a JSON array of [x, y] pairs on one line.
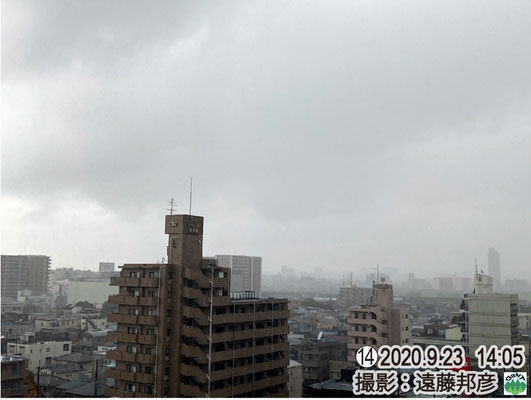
[[341, 134]]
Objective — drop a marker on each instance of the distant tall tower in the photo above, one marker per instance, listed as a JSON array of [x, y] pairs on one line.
[[494, 267]]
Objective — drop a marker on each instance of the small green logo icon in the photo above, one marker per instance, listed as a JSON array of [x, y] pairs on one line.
[[515, 384]]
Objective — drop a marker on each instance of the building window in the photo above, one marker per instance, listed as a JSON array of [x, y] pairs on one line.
[[174, 243], [48, 360], [129, 387], [130, 368], [132, 274], [133, 311], [148, 350], [150, 331], [148, 370], [152, 312], [66, 347], [151, 293], [131, 349], [221, 274], [131, 330], [48, 349], [148, 389], [152, 274]]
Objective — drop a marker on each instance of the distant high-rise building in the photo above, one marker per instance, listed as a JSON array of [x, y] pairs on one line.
[[246, 272], [494, 267], [180, 333], [488, 318], [354, 296], [377, 323], [444, 285], [106, 266], [24, 272]]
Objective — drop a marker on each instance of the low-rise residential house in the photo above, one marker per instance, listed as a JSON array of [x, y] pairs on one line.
[[40, 354]]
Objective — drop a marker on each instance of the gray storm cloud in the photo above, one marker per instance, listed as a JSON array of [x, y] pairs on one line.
[[340, 134]]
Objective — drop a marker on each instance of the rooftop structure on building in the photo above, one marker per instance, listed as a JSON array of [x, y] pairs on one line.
[[182, 333]]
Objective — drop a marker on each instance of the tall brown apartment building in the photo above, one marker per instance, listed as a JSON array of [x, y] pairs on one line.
[[182, 333]]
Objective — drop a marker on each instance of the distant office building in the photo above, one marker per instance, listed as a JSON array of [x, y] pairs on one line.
[[489, 318], [377, 323], [445, 285], [24, 272], [516, 285], [462, 285], [246, 272], [494, 267], [295, 379], [354, 296], [414, 283], [106, 266], [14, 371]]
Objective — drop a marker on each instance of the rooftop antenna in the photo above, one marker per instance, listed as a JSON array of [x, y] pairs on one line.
[[191, 178], [476, 263], [172, 204]]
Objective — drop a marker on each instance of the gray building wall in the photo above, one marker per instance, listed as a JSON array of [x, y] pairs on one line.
[[246, 272]]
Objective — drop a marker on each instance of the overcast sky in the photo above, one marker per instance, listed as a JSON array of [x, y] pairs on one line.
[[320, 134]]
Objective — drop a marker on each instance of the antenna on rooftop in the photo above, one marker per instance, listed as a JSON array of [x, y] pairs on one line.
[[476, 263], [172, 204], [191, 195]]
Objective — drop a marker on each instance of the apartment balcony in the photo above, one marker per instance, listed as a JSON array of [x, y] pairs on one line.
[[190, 391], [249, 334], [146, 339], [118, 355], [123, 337], [195, 333], [123, 299], [147, 320], [196, 314], [194, 352], [227, 391], [368, 334], [193, 371], [221, 282], [132, 338], [197, 295], [123, 318], [221, 300], [145, 358], [112, 392], [148, 301], [197, 276]]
